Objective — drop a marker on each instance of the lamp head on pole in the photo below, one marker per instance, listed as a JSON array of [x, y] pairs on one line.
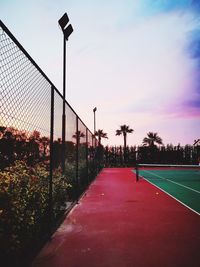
[[67, 30], [95, 109], [63, 21]]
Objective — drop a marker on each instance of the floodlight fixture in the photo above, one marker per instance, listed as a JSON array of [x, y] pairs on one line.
[[63, 21], [68, 31]]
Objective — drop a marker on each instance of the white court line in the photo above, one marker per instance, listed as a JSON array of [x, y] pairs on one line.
[[171, 196], [187, 187]]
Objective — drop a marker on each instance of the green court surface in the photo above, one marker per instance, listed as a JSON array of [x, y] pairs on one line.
[[184, 185]]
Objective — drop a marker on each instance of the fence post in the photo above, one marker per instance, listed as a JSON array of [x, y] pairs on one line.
[[77, 152], [87, 164], [50, 204]]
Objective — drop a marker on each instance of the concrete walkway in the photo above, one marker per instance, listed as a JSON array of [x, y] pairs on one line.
[[123, 223]]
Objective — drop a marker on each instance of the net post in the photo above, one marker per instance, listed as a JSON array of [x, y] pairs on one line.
[[137, 172]]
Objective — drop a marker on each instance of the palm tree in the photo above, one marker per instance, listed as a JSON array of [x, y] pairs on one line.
[[100, 135], [124, 129], [78, 135], [151, 139]]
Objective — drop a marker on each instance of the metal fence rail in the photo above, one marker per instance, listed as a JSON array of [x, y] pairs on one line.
[[35, 189]]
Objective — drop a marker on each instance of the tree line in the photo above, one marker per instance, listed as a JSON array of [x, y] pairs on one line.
[[152, 150], [33, 148]]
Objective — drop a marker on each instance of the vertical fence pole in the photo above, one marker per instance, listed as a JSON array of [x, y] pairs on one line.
[[50, 206], [87, 165], [77, 152]]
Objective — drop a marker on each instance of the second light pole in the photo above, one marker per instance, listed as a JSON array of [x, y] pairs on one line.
[[67, 30], [94, 110]]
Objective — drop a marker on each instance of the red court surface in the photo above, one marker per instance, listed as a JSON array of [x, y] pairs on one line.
[[123, 223]]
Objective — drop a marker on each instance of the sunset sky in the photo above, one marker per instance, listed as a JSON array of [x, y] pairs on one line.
[[137, 61]]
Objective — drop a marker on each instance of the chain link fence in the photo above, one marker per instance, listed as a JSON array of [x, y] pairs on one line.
[[35, 189]]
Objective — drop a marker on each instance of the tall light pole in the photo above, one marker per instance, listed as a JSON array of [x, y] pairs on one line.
[[94, 110], [67, 30]]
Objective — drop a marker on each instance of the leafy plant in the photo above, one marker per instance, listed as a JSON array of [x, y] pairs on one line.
[[24, 203]]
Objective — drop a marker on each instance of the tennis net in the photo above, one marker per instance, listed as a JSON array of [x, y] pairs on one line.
[[166, 170]]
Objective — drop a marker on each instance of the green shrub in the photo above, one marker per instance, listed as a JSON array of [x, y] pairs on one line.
[[24, 203]]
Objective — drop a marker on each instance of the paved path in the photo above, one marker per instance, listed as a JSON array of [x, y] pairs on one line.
[[123, 223]]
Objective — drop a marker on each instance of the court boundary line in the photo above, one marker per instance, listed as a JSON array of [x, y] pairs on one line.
[[169, 165], [171, 196], [163, 178]]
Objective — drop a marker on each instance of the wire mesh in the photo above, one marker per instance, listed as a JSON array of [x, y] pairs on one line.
[[57, 137], [25, 113], [71, 147], [82, 153], [60, 185], [34, 186], [24, 94], [91, 156]]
